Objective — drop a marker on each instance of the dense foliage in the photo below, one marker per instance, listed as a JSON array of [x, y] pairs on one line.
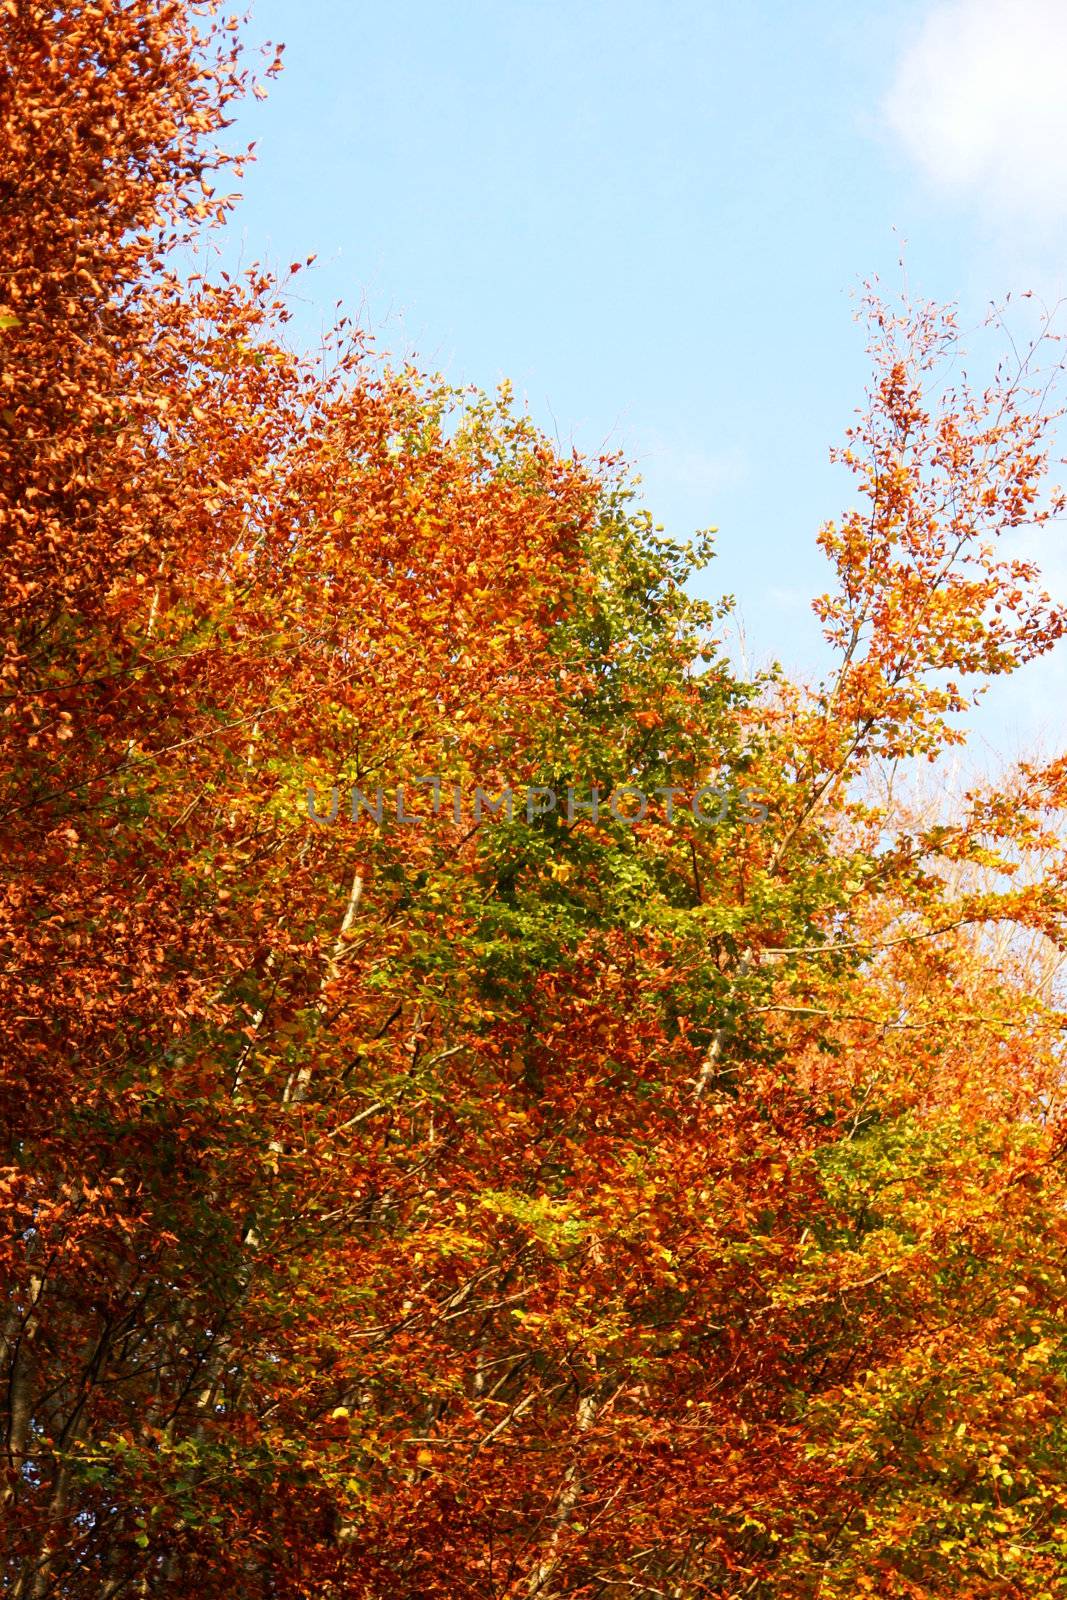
[[485, 1206]]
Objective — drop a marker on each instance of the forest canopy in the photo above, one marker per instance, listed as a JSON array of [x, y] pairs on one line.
[[492, 1205]]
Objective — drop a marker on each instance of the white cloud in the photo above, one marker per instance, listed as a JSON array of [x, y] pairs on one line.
[[979, 101], [691, 469]]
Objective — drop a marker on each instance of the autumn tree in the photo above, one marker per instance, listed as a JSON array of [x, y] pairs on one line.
[[488, 1205]]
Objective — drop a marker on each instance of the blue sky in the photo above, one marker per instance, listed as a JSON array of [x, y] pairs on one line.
[[653, 217]]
